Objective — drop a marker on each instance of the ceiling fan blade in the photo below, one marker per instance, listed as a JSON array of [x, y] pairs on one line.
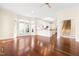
[[42, 5], [46, 4], [49, 5]]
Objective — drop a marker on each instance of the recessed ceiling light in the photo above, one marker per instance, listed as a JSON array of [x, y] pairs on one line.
[[48, 19]]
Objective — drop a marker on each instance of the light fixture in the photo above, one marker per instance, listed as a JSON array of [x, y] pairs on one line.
[[48, 19]]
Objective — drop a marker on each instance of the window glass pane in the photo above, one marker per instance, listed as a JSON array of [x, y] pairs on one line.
[[21, 28]]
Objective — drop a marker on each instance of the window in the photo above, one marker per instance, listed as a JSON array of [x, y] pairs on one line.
[[23, 28]]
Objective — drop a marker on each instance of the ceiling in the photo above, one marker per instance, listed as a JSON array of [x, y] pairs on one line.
[[34, 9]]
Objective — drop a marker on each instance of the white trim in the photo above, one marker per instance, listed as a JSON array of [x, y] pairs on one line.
[[71, 36], [77, 38]]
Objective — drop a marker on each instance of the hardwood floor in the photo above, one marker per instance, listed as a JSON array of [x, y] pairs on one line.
[[67, 47], [37, 48], [6, 47], [35, 53], [66, 44]]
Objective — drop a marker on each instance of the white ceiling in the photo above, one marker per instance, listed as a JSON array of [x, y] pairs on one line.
[[34, 9]]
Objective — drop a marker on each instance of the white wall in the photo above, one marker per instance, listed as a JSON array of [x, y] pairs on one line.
[[66, 14], [41, 31], [6, 24]]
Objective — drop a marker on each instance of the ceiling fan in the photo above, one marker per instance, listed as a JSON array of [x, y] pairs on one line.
[[46, 4]]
